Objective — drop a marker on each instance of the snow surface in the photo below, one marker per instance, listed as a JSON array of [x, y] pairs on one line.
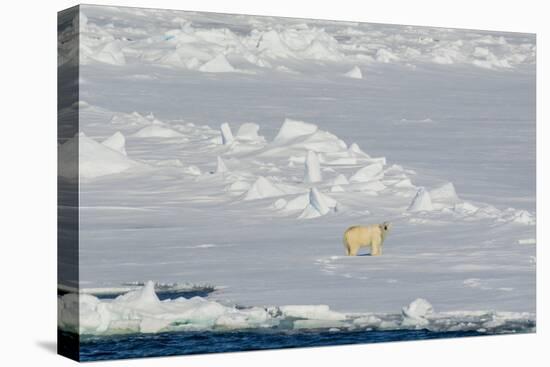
[[451, 111]]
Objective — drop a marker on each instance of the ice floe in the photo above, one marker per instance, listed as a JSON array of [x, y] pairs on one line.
[[141, 311], [94, 159]]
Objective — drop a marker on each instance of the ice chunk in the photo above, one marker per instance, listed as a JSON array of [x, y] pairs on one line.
[[312, 168], [445, 193], [416, 312], [249, 132], [111, 53], [271, 43], [131, 119], [346, 161], [523, 217], [371, 172], [527, 241], [221, 167], [369, 186], [116, 142], [368, 321], [311, 312], [262, 188], [406, 183], [218, 64], [94, 159], [340, 180], [292, 129], [418, 308], [421, 201], [239, 186], [354, 73], [321, 50], [298, 203], [319, 205], [465, 208], [192, 170], [385, 56], [227, 135], [156, 131], [337, 188], [280, 204], [355, 151]]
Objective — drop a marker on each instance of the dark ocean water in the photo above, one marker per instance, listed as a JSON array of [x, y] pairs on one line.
[[184, 343]]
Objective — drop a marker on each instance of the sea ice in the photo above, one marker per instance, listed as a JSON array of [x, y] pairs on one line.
[[227, 135], [371, 172], [262, 188], [292, 129], [248, 132], [94, 159], [421, 201], [221, 167], [219, 64], [312, 168], [354, 73], [319, 204], [156, 131], [445, 193], [116, 142]]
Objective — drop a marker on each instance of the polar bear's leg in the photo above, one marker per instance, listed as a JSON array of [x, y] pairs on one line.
[[376, 246], [347, 251], [346, 244]]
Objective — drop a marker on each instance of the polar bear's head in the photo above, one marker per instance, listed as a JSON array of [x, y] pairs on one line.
[[385, 227]]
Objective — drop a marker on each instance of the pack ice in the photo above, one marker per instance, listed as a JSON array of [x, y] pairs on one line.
[[141, 311]]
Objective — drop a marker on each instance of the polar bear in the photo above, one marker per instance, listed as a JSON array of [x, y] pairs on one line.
[[372, 235]]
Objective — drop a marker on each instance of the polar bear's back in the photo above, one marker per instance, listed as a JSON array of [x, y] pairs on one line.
[[362, 234]]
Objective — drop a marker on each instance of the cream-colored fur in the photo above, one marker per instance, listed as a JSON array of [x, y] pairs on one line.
[[371, 236]]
